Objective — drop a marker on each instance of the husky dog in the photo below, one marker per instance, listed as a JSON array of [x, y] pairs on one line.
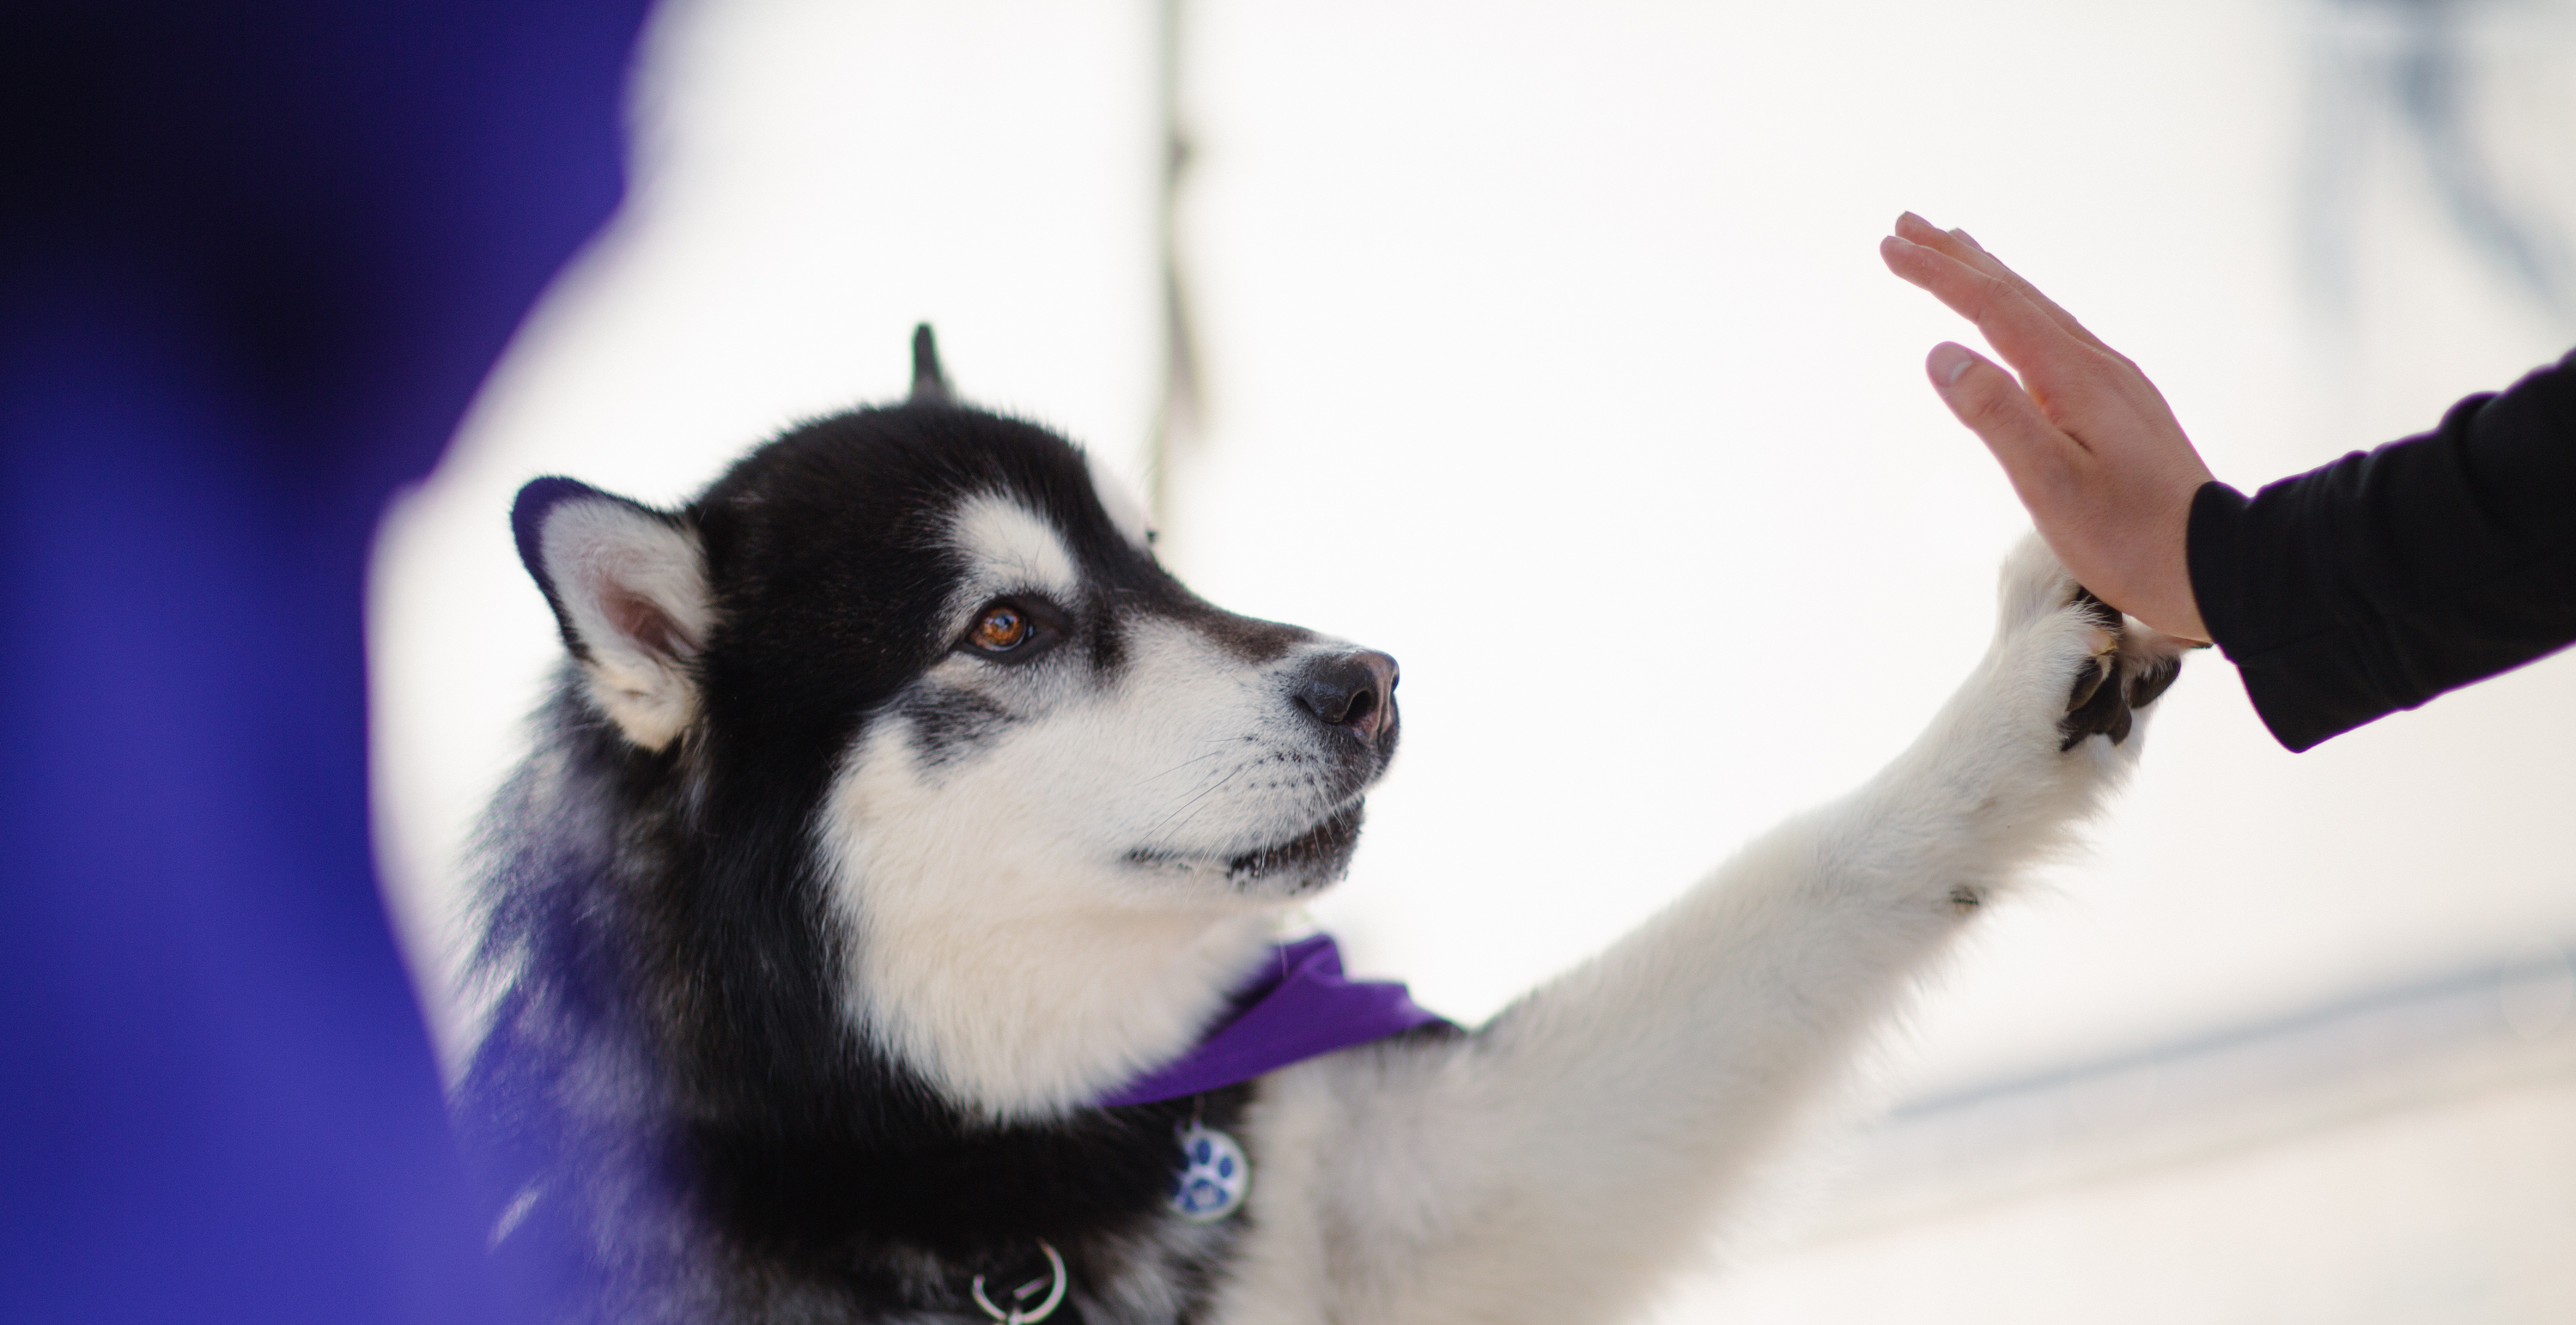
[[895, 807]]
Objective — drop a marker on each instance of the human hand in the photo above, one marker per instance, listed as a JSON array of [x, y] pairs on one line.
[[2089, 443]]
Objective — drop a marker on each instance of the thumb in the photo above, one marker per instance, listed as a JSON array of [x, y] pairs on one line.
[[2033, 452]]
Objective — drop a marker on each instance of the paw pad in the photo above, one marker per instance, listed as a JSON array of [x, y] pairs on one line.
[[2112, 684]]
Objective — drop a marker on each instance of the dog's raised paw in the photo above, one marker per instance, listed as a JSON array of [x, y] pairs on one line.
[[2126, 673]]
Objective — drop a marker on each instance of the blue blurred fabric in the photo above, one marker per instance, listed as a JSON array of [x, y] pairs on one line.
[[254, 259]]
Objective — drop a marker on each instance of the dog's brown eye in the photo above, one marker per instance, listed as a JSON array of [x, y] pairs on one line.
[[1000, 630]]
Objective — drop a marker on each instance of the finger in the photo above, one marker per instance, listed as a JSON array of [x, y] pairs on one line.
[[1960, 245], [2057, 365], [1988, 262], [2038, 457]]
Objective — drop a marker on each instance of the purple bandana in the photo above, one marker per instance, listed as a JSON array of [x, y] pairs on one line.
[[1301, 1007]]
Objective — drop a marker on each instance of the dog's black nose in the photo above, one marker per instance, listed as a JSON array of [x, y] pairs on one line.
[[1354, 691]]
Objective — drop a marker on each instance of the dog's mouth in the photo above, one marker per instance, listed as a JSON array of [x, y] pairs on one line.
[[1321, 852], [1310, 860]]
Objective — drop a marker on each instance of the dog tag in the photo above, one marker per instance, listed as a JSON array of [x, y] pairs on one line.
[[1214, 1176]]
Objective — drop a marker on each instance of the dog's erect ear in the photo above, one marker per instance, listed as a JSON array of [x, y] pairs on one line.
[[929, 385], [629, 587]]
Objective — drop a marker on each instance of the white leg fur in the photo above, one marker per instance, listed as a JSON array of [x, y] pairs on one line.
[[1561, 1163]]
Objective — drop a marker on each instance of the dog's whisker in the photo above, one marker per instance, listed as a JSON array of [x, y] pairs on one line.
[[1221, 748], [1204, 793]]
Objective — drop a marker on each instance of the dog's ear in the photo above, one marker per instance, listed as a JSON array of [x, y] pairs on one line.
[[929, 384], [629, 588]]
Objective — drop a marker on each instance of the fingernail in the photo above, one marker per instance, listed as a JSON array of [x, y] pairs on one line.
[[1904, 217], [1968, 239], [1949, 359]]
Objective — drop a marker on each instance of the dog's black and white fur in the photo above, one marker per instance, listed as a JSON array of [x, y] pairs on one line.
[[895, 805]]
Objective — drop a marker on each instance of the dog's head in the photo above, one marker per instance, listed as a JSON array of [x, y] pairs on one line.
[[933, 646]]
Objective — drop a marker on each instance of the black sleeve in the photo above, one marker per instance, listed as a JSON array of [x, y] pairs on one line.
[[2387, 577]]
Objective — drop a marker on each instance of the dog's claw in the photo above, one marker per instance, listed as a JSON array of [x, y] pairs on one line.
[[2153, 682], [2087, 683]]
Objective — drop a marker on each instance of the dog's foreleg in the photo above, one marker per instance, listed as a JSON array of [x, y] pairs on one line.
[[1558, 1163]]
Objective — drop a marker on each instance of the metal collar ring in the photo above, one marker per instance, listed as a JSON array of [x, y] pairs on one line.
[[1027, 1316]]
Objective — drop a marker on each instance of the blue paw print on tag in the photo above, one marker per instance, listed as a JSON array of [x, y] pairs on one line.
[[1214, 1176]]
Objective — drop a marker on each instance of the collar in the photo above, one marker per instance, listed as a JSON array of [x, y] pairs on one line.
[[1301, 1006]]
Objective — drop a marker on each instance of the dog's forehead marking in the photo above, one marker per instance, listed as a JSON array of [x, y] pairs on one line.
[[1010, 546]]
